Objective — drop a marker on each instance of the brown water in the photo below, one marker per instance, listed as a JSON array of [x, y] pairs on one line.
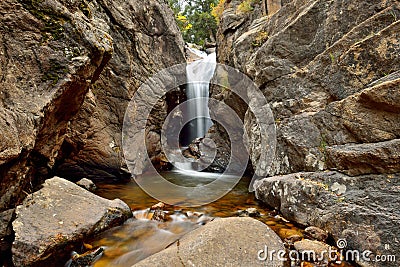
[[137, 239]]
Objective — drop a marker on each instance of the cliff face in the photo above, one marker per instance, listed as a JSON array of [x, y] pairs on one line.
[[68, 69], [318, 64], [331, 73], [50, 54], [146, 40]]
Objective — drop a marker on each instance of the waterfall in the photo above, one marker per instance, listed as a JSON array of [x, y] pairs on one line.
[[199, 74], [195, 112]]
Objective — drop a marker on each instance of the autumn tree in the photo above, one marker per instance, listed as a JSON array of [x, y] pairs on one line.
[[195, 20]]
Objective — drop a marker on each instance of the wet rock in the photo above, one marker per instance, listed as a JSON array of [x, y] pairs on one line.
[[320, 251], [54, 219], [85, 259], [193, 150], [158, 213], [159, 205], [210, 45], [242, 213], [365, 214], [187, 154], [211, 50], [87, 184], [204, 219], [279, 217], [191, 56], [250, 212], [289, 241], [222, 242], [316, 233], [194, 147], [253, 212]]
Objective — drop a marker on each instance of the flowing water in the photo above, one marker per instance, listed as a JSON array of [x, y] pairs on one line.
[[199, 74], [137, 239]]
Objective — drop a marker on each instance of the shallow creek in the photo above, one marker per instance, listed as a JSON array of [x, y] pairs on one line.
[[137, 239]]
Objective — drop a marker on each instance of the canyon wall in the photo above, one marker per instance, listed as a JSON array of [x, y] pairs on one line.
[[330, 71], [68, 70]]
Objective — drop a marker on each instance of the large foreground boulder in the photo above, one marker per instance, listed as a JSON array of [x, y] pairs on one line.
[[52, 220], [223, 242], [363, 210]]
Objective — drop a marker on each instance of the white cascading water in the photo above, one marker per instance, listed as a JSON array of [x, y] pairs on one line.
[[199, 74]]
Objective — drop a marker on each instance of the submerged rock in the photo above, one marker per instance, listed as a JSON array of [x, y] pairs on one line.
[[289, 241], [250, 212], [222, 242], [52, 220]]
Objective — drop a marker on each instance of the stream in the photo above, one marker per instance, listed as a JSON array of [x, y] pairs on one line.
[[141, 237]]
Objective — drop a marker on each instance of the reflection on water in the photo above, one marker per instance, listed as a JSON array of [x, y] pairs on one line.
[[187, 188], [138, 239], [236, 199]]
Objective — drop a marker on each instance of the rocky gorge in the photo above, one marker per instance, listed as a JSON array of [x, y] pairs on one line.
[[330, 71]]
